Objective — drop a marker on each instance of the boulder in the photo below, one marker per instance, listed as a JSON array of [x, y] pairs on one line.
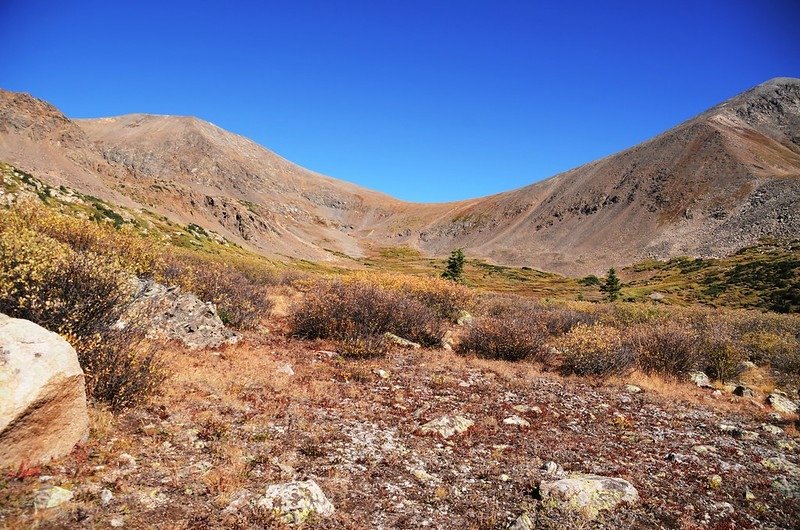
[[782, 403], [179, 316], [50, 497], [43, 406], [700, 379], [295, 502], [447, 426], [588, 494], [400, 341]]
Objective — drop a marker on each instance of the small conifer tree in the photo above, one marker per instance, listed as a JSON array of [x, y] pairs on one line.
[[612, 285], [455, 266]]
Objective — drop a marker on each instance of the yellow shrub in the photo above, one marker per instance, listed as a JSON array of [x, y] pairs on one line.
[[446, 298], [594, 349]]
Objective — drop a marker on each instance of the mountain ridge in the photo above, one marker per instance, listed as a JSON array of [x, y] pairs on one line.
[[707, 187]]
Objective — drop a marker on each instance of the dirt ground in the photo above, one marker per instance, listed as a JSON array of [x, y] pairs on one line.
[[273, 409]]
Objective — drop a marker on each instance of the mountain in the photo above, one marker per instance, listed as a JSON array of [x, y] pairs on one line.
[[708, 187]]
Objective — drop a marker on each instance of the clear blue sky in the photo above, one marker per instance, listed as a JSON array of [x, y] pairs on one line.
[[428, 101]]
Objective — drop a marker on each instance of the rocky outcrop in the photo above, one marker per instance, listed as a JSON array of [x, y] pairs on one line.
[[43, 406], [175, 315]]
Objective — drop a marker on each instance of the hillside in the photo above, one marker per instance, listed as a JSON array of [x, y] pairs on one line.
[[706, 188]]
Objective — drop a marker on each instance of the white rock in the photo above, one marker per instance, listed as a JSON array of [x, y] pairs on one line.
[[106, 496], [50, 497], [43, 406], [782, 403], [516, 420], [294, 502], [447, 426]]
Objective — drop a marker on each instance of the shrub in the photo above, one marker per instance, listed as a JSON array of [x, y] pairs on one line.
[[122, 367], [595, 350], [512, 337], [447, 299], [358, 312], [720, 352], [667, 348], [80, 295], [767, 346]]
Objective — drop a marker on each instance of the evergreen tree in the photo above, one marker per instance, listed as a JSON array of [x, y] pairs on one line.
[[455, 266], [612, 285]]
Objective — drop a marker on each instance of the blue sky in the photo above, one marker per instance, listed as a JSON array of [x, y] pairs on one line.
[[427, 101]]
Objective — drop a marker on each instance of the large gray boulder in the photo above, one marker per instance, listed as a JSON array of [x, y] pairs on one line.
[[42, 395], [180, 316]]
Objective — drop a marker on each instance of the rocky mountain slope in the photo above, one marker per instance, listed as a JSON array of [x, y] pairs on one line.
[[708, 187]]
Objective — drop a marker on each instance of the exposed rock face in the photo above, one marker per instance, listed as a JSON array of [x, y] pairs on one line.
[[181, 316], [43, 399], [294, 502], [589, 494]]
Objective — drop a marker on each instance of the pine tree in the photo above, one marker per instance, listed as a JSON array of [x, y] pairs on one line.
[[455, 266], [612, 285]]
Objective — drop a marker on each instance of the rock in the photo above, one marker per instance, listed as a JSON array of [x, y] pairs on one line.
[[523, 522], [553, 469], [516, 420], [656, 296], [772, 429], [447, 426], [423, 476], [383, 374], [743, 391], [448, 341], [126, 460], [294, 502], [781, 465], [700, 379], [589, 494], [105, 496], [782, 403], [714, 482], [400, 341], [704, 449], [464, 318], [788, 488], [178, 316], [285, 368], [50, 497], [722, 509], [745, 366], [43, 405], [116, 522], [238, 501], [632, 389], [748, 495]]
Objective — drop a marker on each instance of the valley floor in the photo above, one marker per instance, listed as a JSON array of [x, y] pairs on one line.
[[233, 422]]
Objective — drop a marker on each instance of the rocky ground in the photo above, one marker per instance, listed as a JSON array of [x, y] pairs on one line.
[[268, 411]]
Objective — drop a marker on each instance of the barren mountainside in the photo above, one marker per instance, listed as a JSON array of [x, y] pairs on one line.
[[708, 187]]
